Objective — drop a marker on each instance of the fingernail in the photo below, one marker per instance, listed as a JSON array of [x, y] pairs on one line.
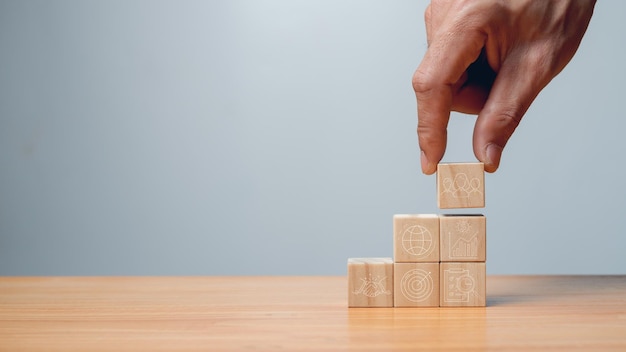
[[492, 154], [426, 165]]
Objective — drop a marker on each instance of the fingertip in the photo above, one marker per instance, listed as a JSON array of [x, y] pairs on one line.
[[428, 167], [492, 153]]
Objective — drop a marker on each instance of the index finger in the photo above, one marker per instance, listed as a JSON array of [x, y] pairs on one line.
[[444, 63]]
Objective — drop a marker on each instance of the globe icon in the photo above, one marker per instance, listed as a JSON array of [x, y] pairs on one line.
[[417, 241]]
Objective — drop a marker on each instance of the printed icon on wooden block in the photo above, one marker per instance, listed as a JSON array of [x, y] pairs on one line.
[[416, 238], [460, 185], [416, 284], [463, 238], [370, 282], [463, 284]]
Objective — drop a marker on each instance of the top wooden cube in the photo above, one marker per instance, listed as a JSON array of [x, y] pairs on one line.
[[460, 185]]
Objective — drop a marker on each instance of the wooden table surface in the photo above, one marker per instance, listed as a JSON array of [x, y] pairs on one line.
[[302, 313]]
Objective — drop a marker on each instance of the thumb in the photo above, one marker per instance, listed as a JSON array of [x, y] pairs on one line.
[[516, 86]]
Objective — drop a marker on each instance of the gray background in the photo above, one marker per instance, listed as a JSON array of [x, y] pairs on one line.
[[277, 137]]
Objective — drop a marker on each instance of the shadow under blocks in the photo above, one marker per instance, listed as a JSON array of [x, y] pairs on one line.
[[439, 259]]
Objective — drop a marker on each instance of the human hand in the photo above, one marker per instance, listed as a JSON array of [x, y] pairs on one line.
[[490, 58]]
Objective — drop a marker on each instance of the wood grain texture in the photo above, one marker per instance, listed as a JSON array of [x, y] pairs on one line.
[[416, 238], [463, 284], [463, 238], [523, 313], [370, 282], [460, 185], [416, 285]]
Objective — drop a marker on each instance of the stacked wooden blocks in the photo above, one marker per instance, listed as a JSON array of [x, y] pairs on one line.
[[439, 260]]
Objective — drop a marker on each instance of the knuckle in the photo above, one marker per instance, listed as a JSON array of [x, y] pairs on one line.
[[508, 119], [422, 82]]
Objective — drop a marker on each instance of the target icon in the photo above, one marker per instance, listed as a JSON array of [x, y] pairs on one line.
[[417, 285]]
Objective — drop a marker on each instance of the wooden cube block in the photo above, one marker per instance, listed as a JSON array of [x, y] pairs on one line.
[[416, 238], [463, 238], [461, 185], [463, 284], [416, 284], [370, 282]]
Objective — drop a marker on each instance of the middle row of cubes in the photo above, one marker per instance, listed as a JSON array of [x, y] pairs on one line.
[[429, 238]]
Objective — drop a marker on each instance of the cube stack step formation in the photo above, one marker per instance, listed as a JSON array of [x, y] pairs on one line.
[[439, 260]]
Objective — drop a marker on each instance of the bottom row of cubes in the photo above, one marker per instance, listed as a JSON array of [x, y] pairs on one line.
[[379, 282]]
